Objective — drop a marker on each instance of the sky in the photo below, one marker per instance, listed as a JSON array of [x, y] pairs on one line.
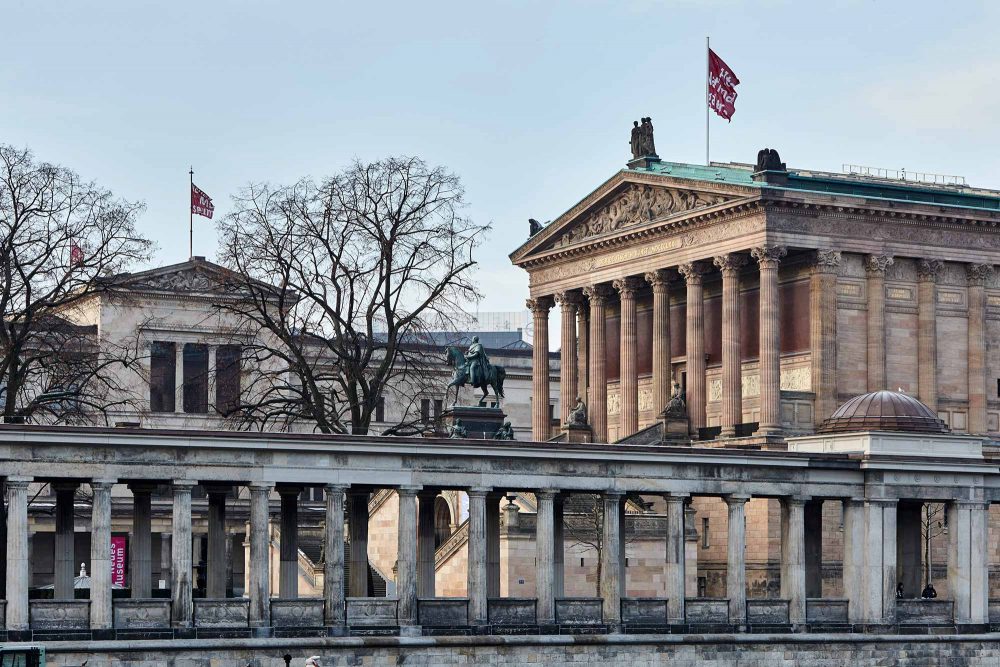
[[530, 103]]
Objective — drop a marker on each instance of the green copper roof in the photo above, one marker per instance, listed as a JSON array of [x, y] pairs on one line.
[[822, 182]]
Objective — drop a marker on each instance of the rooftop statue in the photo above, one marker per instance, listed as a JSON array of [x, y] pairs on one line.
[[474, 368], [769, 160], [641, 141]]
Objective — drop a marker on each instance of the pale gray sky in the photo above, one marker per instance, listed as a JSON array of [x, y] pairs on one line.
[[529, 102]]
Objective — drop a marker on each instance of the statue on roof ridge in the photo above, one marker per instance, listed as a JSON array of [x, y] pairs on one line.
[[641, 141], [769, 160]]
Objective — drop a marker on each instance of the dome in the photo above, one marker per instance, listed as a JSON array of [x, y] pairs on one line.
[[884, 411]]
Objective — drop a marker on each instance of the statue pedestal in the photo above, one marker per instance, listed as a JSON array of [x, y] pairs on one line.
[[644, 162], [577, 433], [676, 431], [480, 422]]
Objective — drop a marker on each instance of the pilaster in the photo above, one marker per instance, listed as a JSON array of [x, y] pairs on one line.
[[675, 568], [927, 275], [18, 569], [259, 589], [793, 562], [977, 275], [182, 605], [477, 586], [100, 555], [736, 576], [333, 566], [406, 555], [612, 583], [876, 266], [545, 557], [823, 332]]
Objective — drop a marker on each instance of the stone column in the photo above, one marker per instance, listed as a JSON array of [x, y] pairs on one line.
[[814, 548], [977, 275], [333, 566], [732, 366], [217, 538], [64, 560], [854, 558], [541, 427], [695, 345], [876, 266], [927, 274], [259, 590], [611, 567], [583, 351], [879, 578], [18, 571], [426, 547], [100, 555], [477, 556], [179, 377], [288, 575], [629, 356], [493, 544], [357, 525], [598, 408], [793, 562], [182, 607], [675, 569], [141, 548], [545, 557], [823, 332], [559, 545], [662, 369], [968, 576], [768, 258], [568, 302], [736, 547], [406, 555]]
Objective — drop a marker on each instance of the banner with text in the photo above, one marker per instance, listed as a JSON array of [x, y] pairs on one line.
[[722, 84]]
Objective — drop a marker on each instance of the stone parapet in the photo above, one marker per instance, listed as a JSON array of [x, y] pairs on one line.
[[221, 613], [141, 613], [59, 614], [296, 613]]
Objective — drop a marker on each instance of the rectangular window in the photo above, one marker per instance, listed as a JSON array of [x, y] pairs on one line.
[[425, 410], [437, 409], [162, 376], [705, 543], [228, 368], [380, 409], [195, 378]]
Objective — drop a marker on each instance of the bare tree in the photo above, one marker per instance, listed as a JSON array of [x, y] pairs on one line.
[[341, 280], [585, 528], [933, 523], [61, 238]]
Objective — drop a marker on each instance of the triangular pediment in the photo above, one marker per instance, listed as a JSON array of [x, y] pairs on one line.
[[196, 276], [624, 202]]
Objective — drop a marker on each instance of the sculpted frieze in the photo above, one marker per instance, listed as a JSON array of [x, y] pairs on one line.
[[181, 281], [638, 204]]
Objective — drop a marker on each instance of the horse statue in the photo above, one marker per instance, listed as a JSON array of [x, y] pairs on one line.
[[461, 376]]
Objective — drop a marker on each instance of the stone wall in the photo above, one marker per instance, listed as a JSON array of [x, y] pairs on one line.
[[553, 651]]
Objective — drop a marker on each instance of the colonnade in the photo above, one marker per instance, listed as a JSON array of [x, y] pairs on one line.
[[870, 554], [583, 368]]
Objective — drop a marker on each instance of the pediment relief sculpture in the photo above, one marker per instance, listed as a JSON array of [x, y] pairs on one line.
[[637, 205], [181, 281]]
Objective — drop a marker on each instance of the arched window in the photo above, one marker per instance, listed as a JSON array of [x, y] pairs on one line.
[[442, 521]]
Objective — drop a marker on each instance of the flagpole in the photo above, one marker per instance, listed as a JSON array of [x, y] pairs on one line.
[[708, 74], [190, 215]]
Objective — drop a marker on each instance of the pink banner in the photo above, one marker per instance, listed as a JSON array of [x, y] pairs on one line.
[[118, 560]]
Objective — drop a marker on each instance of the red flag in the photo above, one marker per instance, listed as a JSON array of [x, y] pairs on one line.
[[722, 84], [75, 255], [201, 204]]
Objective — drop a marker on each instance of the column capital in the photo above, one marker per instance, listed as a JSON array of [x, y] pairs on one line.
[[884, 502], [613, 494], [539, 306], [261, 486], [877, 265], [978, 274], [18, 481], [336, 488], [853, 500], [102, 484], [797, 501], [692, 272], [549, 494], [183, 485], [478, 491], [970, 504], [768, 256], [568, 299], [673, 497], [409, 489], [658, 278], [627, 287], [928, 270], [598, 294], [730, 263], [734, 499], [826, 261]]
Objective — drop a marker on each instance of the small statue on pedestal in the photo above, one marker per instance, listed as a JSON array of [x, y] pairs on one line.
[[505, 432], [456, 430], [677, 407], [578, 415]]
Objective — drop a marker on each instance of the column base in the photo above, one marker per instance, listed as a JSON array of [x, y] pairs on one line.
[[727, 432], [768, 430], [337, 631], [411, 631]]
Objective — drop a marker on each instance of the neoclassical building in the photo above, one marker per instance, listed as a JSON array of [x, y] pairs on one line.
[[771, 295]]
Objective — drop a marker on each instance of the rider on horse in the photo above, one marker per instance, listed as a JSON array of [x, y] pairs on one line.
[[478, 363]]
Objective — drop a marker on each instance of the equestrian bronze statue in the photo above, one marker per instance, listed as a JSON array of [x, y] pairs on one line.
[[474, 368]]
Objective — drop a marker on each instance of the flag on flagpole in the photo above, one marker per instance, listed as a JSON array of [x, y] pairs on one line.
[[201, 204], [722, 84], [75, 254]]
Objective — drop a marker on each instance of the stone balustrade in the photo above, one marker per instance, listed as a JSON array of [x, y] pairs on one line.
[[354, 467]]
